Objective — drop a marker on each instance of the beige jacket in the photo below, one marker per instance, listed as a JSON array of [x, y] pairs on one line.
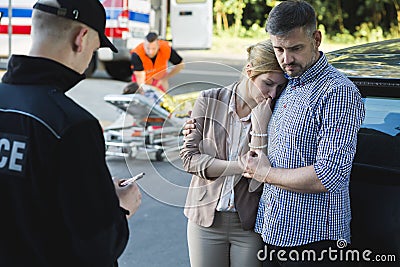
[[201, 147]]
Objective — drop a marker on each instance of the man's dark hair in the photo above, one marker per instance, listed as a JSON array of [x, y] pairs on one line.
[[130, 88], [289, 15], [151, 37]]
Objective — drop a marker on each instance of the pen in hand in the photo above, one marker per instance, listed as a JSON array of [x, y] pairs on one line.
[[133, 179]]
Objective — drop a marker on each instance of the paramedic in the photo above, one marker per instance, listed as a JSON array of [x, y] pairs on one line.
[[60, 206], [149, 62]]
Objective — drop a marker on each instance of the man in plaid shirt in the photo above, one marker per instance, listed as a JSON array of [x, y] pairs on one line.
[[312, 139]]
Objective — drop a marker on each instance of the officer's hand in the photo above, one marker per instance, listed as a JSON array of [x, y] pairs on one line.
[[129, 196]]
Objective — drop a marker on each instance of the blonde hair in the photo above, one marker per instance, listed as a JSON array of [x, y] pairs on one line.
[[261, 57]]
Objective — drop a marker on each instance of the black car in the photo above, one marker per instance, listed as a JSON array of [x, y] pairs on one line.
[[375, 178]]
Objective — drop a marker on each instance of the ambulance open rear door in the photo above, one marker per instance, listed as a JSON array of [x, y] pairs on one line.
[[191, 23]]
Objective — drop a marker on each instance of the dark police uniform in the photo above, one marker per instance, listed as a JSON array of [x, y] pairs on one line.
[[57, 200]]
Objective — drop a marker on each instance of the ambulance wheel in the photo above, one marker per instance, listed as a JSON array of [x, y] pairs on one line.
[[119, 70], [160, 155]]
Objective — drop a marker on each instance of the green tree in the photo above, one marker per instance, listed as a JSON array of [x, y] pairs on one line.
[[330, 14], [341, 19], [231, 14], [366, 19], [383, 13], [220, 16], [235, 8]]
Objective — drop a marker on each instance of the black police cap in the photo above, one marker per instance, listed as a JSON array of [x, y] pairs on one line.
[[88, 12]]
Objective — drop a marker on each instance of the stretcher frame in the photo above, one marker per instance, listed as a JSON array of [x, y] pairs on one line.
[[144, 126]]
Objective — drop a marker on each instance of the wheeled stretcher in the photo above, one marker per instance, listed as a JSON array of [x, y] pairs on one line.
[[145, 125]]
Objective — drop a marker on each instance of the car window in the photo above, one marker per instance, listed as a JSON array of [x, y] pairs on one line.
[[382, 114]]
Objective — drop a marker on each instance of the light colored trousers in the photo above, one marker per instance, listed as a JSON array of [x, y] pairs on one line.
[[223, 244]]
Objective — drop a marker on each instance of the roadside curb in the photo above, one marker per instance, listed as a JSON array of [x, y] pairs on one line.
[[206, 55]]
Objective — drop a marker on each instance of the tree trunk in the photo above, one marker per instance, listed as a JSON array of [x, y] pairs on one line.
[[218, 22], [397, 6], [238, 17], [218, 16], [225, 21], [340, 16]]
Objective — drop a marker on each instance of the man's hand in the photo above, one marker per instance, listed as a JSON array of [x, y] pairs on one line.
[[256, 165], [140, 90], [129, 196], [189, 125], [163, 82]]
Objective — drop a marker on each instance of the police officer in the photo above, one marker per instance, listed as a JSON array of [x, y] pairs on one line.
[[59, 204]]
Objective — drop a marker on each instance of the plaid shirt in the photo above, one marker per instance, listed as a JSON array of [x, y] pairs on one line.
[[315, 122]]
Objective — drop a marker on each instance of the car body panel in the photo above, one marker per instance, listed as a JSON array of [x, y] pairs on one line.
[[375, 177], [373, 60]]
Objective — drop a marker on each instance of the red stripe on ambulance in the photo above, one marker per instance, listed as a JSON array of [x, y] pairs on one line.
[[16, 29]]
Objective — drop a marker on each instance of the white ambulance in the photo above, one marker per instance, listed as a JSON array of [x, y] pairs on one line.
[[128, 22]]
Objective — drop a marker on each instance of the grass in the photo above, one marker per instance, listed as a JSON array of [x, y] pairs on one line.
[[236, 47]]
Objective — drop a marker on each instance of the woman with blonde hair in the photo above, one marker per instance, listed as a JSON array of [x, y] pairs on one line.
[[221, 205]]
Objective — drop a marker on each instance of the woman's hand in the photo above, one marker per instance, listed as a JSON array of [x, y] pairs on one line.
[[260, 116], [189, 126]]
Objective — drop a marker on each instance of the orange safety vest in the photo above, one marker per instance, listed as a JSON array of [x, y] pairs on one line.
[[159, 69]]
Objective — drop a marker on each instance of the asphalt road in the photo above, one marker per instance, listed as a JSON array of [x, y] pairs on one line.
[[158, 229]]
